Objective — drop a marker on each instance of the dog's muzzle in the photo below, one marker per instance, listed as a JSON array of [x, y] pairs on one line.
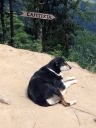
[[65, 67]]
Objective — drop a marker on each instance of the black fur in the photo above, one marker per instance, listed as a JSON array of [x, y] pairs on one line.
[[44, 83]]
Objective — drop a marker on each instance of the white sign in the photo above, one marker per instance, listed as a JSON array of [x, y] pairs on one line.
[[38, 15]]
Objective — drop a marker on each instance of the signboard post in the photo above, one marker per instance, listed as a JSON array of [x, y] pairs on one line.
[[38, 15]]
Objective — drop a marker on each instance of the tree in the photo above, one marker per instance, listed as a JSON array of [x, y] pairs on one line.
[[11, 23], [63, 29], [60, 33], [2, 12]]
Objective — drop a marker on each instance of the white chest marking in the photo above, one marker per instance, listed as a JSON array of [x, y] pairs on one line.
[[54, 72]]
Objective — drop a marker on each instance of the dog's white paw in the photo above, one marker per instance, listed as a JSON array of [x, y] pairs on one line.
[[73, 102], [72, 78], [74, 81]]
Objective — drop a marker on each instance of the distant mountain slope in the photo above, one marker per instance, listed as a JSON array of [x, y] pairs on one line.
[[91, 25]]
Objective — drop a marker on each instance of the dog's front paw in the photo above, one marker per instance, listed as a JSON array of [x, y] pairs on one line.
[[72, 78], [73, 102], [74, 81]]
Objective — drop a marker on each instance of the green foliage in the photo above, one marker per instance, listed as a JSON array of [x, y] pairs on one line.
[[21, 38], [56, 50], [36, 46], [84, 50], [0, 32]]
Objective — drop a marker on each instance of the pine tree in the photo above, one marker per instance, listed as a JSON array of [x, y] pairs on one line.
[[2, 12], [11, 23]]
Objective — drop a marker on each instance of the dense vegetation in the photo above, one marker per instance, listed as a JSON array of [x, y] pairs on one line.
[[63, 36]]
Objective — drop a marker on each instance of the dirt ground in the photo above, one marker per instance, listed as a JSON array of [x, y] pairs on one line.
[[16, 68]]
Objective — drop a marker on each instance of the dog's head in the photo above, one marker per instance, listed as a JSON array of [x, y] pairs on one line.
[[58, 64]]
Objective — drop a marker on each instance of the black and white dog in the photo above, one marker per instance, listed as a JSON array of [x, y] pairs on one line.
[[47, 86]]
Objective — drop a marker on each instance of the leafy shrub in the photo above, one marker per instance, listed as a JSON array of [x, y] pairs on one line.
[[84, 50], [36, 46]]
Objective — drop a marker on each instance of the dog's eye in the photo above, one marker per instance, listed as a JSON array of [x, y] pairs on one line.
[[56, 63], [65, 63]]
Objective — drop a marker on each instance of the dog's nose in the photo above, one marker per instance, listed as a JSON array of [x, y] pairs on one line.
[[70, 67]]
